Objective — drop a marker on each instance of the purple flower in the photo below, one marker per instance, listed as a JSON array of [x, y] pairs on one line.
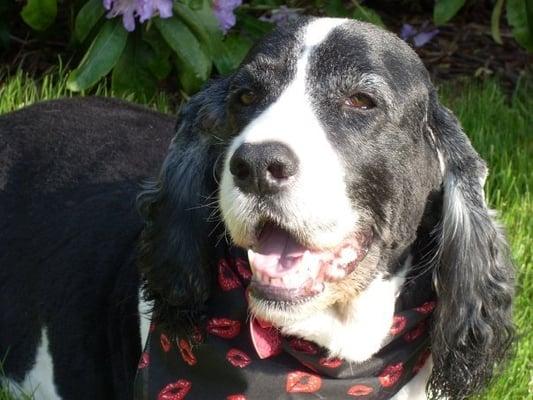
[[223, 10], [144, 9], [419, 37]]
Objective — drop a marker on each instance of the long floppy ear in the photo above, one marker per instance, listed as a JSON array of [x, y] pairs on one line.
[[474, 278], [177, 243]]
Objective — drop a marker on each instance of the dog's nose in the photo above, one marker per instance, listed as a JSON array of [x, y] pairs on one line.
[[263, 168]]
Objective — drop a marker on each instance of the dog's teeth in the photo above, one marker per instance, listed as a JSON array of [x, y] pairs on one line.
[[251, 256]]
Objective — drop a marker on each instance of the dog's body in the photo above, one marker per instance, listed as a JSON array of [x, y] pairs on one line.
[[334, 165]]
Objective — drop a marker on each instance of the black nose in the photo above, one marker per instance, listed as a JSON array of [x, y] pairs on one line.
[[263, 168]]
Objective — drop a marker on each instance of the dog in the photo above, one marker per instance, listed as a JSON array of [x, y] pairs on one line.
[[321, 192]]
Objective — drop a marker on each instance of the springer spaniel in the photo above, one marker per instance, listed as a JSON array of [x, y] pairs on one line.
[[318, 229]]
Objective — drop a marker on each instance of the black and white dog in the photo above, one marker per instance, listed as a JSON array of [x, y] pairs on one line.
[[326, 156]]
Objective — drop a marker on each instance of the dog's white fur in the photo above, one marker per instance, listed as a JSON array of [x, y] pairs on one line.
[[319, 198], [39, 381], [318, 203]]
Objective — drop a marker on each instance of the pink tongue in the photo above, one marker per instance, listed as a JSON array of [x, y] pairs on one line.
[[277, 251]]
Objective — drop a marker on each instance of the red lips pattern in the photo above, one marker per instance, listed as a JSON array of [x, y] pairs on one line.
[[175, 391], [224, 327], [234, 275], [238, 358], [144, 360], [243, 269], [165, 343], [330, 362], [227, 279], [398, 324], [303, 382], [303, 346], [391, 375], [427, 307], [360, 390], [265, 339], [186, 352], [416, 332]]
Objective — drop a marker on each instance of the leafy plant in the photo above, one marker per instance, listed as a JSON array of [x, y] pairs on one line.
[[519, 15], [187, 42]]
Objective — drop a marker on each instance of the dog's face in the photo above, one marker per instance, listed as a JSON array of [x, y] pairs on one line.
[[334, 165], [329, 168]]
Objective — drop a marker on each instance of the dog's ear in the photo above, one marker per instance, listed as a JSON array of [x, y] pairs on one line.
[[474, 278], [178, 240]]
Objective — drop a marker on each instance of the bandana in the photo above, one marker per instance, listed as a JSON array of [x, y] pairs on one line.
[[231, 357]]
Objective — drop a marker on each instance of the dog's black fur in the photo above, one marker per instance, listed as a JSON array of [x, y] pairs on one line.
[[68, 176]]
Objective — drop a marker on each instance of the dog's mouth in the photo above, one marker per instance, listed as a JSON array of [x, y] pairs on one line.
[[284, 270]]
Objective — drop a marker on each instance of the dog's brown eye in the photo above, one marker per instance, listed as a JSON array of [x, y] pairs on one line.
[[360, 101], [247, 98]]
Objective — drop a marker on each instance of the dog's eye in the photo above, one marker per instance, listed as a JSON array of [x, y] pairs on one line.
[[247, 97], [360, 101]]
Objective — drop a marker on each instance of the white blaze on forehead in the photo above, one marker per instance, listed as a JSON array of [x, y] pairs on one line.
[[318, 198]]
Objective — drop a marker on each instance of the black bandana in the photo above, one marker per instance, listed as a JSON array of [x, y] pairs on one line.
[[233, 358]]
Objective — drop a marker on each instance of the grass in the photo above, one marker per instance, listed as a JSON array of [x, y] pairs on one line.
[[501, 129]]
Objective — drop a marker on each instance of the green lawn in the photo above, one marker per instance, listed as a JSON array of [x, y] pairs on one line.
[[501, 129]]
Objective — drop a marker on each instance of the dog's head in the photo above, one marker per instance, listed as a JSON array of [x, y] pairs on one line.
[[325, 155]]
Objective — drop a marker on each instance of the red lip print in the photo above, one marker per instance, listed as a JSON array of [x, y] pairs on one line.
[[426, 308], [330, 362], [236, 397], [266, 340], [243, 268], [302, 382], [398, 324], [238, 358], [165, 343], [226, 277], [152, 327], [303, 346], [175, 391], [144, 360], [421, 361], [186, 352], [416, 332], [360, 390], [391, 374], [224, 327]]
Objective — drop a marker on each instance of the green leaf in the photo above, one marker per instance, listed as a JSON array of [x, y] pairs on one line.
[[189, 82], [445, 10], [255, 28], [495, 21], [196, 4], [87, 18], [159, 64], [132, 73], [517, 16], [101, 57], [39, 14], [368, 15], [188, 51], [236, 47], [336, 8], [204, 25]]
